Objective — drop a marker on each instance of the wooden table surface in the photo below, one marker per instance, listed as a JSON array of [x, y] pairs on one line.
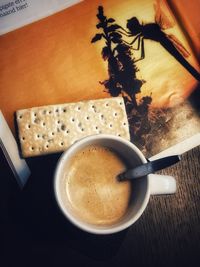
[[35, 233]]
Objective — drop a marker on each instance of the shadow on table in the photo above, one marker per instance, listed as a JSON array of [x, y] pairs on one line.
[[34, 224]]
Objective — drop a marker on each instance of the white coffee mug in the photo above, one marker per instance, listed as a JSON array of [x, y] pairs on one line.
[[143, 187]]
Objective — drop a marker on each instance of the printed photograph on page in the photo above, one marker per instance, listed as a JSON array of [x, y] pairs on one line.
[[98, 49]]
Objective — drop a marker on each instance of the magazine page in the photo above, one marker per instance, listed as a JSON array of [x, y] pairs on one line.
[[187, 13], [98, 49], [17, 13]]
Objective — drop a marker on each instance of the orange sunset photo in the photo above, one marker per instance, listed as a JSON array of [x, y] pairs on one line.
[[99, 49]]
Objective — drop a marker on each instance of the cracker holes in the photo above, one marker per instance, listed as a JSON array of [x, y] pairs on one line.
[[61, 143], [28, 126], [72, 120], [115, 114], [68, 131], [64, 110], [23, 138], [94, 108], [43, 124], [20, 117], [63, 127], [87, 118], [78, 108], [110, 125]]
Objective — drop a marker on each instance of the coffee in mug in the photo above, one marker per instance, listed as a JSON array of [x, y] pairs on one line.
[[91, 186], [87, 190]]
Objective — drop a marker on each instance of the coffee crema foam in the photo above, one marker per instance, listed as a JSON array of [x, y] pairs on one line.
[[94, 193]]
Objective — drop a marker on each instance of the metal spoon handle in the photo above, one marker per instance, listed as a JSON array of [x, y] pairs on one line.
[[149, 167]]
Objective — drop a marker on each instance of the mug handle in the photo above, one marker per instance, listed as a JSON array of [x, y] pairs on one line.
[[161, 184]]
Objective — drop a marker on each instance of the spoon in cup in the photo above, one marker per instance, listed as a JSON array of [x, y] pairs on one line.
[[149, 167]]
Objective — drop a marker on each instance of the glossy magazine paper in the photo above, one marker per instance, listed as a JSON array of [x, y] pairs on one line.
[[98, 49]]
